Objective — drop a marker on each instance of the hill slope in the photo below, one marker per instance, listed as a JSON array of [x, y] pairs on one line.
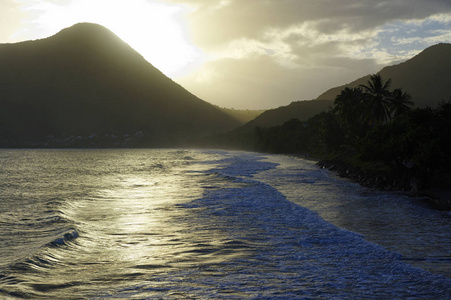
[[301, 110], [84, 81], [426, 77], [243, 115]]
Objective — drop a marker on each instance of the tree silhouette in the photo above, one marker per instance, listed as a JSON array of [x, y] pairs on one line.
[[348, 108], [400, 103], [377, 95], [360, 109], [347, 103]]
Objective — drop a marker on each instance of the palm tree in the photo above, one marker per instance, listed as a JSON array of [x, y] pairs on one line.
[[400, 103], [348, 108], [377, 95], [347, 103]]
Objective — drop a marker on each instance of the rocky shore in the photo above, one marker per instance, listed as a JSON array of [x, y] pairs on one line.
[[390, 180]]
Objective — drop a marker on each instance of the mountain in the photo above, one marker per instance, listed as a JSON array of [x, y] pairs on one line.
[[426, 77], [243, 115], [301, 110], [86, 87]]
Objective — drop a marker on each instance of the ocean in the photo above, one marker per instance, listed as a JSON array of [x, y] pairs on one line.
[[209, 224]]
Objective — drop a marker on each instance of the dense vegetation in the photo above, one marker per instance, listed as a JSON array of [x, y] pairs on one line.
[[371, 133]]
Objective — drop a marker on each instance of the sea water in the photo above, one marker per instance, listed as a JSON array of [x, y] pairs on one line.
[[191, 224]]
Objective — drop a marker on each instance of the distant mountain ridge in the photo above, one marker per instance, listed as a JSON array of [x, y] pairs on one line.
[[301, 110], [243, 115], [426, 77], [86, 83]]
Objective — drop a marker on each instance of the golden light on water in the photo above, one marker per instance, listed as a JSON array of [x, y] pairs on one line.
[[156, 30], [133, 222]]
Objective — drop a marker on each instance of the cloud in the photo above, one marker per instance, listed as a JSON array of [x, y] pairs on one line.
[[11, 18], [260, 82], [215, 24], [432, 30], [267, 52]]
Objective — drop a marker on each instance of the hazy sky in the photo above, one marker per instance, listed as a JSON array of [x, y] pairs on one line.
[[249, 53]]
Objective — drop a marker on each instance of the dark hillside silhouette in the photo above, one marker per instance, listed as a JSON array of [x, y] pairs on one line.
[[301, 110], [273, 130], [87, 85], [243, 115], [426, 76]]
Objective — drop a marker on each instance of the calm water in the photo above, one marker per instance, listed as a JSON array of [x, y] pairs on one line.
[[186, 224]]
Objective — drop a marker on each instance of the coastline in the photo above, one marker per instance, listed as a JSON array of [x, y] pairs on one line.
[[438, 198]]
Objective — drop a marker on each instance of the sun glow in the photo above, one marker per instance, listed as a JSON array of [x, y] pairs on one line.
[[156, 30]]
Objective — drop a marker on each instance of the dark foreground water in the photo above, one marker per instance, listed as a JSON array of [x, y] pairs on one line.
[[186, 224]]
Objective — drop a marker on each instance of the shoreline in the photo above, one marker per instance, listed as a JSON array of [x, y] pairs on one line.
[[439, 198], [435, 197]]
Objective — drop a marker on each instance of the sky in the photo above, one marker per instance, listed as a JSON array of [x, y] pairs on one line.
[[249, 54]]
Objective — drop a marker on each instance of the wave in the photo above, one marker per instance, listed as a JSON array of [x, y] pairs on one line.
[[30, 220], [64, 237]]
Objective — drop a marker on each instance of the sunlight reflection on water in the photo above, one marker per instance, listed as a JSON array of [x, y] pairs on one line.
[[121, 204], [181, 224]]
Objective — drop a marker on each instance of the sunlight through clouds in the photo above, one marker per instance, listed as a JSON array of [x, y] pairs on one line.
[[248, 48], [155, 29]]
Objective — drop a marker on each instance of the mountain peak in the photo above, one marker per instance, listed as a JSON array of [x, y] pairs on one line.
[[85, 81], [438, 48], [85, 28], [88, 33], [433, 55]]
